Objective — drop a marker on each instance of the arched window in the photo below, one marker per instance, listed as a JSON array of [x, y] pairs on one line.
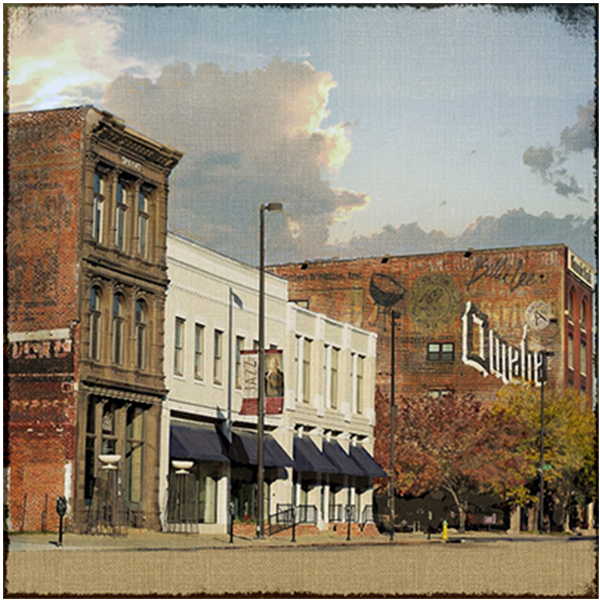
[[141, 333], [118, 329], [143, 224], [571, 306], [95, 316], [98, 208], [121, 217], [583, 315]]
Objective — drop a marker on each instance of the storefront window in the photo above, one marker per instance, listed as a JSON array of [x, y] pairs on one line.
[[133, 454]]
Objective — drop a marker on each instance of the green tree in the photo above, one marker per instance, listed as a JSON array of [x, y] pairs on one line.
[[569, 444]]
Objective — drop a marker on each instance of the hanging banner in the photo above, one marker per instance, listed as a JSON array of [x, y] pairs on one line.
[[274, 382], [249, 374]]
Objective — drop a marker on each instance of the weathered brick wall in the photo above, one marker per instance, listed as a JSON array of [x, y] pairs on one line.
[[42, 219], [42, 225], [430, 294]]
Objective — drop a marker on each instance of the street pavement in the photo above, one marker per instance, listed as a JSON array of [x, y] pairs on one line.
[[161, 564]]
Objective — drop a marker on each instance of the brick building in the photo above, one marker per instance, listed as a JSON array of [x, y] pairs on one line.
[[466, 321], [86, 280]]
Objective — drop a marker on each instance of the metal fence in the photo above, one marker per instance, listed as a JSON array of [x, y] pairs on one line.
[[183, 504], [283, 519], [108, 514]]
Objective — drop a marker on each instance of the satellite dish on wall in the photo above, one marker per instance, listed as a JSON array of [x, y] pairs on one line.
[[385, 290]]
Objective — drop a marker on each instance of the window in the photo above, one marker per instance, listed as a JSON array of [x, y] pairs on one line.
[[140, 334], [199, 352], [583, 316], [218, 358], [583, 358], [360, 370], [121, 217], [179, 330], [98, 209], [570, 357], [239, 346], [118, 329], [90, 452], [108, 429], [143, 224], [333, 377], [438, 393], [440, 352], [306, 346], [326, 359], [95, 315], [134, 443], [571, 305]]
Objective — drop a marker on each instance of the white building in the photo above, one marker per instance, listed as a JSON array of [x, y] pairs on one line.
[[318, 445]]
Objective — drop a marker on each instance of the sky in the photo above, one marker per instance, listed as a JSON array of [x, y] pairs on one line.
[[381, 129]]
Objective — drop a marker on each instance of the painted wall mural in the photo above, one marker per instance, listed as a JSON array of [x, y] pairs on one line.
[[484, 350], [434, 301]]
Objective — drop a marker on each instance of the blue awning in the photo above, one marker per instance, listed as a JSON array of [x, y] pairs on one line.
[[245, 445], [337, 456], [366, 462], [195, 441], [309, 458]]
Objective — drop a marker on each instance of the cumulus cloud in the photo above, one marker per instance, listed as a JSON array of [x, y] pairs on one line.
[[514, 228], [61, 55], [248, 138], [547, 161]]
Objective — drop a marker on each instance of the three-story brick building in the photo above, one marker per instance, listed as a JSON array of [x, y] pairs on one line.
[[86, 219]]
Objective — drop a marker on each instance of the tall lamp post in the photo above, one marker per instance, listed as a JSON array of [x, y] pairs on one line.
[[392, 482], [271, 207], [544, 376]]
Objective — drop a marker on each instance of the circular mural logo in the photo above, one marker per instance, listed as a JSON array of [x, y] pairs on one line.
[[538, 315], [434, 301]]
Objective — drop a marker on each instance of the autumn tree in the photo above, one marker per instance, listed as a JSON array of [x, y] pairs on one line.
[[454, 443], [569, 443]]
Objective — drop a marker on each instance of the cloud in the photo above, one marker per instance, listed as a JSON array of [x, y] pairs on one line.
[[545, 161], [580, 137], [61, 56], [514, 228], [248, 138]]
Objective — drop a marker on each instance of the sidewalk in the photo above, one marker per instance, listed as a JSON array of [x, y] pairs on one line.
[[140, 539]]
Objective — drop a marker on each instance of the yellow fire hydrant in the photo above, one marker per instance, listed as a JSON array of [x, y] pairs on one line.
[[444, 530]]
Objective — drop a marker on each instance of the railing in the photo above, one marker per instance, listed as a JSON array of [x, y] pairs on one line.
[[367, 515], [283, 519], [307, 513], [336, 513], [183, 505], [108, 514]]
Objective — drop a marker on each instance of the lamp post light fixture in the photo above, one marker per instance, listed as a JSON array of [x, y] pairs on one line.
[[271, 207], [544, 376]]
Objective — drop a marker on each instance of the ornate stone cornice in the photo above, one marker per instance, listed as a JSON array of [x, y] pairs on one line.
[[113, 131]]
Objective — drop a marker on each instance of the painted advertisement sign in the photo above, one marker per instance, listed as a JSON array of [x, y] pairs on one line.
[[582, 269], [484, 350]]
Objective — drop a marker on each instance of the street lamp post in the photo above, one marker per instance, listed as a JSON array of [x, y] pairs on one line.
[[544, 375], [392, 481], [271, 207]]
